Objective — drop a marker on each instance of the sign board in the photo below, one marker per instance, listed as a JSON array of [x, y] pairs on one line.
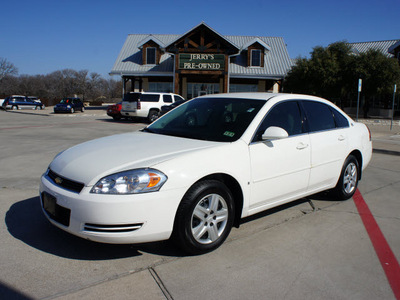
[[202, 61], [359, 84]]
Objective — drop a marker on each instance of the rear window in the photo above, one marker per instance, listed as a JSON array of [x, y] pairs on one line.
[[149, 98], [131, 97]]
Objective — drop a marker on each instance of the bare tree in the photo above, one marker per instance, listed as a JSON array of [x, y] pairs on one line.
[[7, 68]]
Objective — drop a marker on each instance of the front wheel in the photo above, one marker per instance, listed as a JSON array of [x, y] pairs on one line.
[[348, 181], [204, 218]]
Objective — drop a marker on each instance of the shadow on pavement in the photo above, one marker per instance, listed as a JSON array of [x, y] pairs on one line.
[[7, 292], [25, 221]]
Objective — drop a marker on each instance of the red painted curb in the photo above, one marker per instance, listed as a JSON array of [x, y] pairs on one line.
[[385, 254]]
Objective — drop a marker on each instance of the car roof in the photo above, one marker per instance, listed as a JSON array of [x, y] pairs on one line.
[[264, 96], [256, 96]]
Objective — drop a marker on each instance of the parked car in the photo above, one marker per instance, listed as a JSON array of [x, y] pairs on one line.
[[167, 108], [114, 111], [16, 102], [70, 105], [146, 105], [195, 172]]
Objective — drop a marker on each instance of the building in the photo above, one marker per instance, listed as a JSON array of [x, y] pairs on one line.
[[202, 61], [386, 47]]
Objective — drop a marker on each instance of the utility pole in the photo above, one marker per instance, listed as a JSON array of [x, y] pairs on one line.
[[394, 94]]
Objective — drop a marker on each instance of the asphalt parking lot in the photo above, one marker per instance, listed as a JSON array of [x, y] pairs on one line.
[[312, 249]]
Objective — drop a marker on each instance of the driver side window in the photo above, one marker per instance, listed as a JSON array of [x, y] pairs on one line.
[[285, 115]]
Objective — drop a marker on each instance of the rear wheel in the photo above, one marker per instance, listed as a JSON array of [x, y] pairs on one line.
[[348, 181], [204, 217], [153, 115]]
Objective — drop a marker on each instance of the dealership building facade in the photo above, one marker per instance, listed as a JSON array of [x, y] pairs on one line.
[[202, 61]]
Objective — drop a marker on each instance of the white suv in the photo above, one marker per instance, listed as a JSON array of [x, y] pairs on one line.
[[146, 105]]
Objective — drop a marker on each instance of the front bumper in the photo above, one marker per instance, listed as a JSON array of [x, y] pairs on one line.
[[62, 109], [114, 219]]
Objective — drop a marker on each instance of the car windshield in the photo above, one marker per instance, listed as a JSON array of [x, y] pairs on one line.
[[212, 119]]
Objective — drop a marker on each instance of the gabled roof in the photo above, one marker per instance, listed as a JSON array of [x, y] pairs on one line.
[[394, 46], [382, 46], [195, 28], [253, 41], [151, 37]]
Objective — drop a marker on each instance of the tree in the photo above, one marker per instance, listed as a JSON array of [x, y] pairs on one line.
[[7, 68], [324, 74], [333, 73]]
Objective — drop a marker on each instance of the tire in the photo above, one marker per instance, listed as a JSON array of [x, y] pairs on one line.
[[72, 110], [204, 218], [116, 118], [348, 181], [153, 115], [14, 107]]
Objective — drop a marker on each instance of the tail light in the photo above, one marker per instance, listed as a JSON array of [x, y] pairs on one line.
[[138, 105], [369, 132]]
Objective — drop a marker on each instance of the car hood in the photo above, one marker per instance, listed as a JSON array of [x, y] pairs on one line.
[[90, 161]]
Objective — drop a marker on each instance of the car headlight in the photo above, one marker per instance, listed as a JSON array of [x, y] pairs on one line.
[[68, 106], [130, 182]]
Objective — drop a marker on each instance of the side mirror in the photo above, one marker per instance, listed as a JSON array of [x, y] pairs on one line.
[[274, 133]]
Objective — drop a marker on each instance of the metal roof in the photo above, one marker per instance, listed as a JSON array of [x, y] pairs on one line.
[[277, 60], [382, 46]]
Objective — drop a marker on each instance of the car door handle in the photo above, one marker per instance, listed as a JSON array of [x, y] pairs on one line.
[[341, 138], [301, 146]]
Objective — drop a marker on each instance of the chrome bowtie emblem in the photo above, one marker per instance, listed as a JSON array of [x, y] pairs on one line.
[[58, 180]]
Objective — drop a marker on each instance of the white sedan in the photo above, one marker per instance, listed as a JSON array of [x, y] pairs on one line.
[[194, 173]]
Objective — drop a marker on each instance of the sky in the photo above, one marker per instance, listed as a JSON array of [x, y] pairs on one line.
[[43, 36]]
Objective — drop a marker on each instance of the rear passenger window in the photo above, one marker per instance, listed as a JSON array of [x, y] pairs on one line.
[[150, 98], [167, 98], [340, 120], [319, 116]]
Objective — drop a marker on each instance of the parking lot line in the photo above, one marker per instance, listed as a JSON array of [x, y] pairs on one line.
[[385, 254]]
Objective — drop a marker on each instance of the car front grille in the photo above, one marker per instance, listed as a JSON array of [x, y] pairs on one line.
[[65, 183], [112, 228]]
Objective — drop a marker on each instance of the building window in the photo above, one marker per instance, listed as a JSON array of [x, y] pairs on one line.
[[161, 87], [151, 56], [256, 58], [239, 88]]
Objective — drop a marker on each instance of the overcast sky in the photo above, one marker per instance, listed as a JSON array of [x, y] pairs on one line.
[[40, 37]]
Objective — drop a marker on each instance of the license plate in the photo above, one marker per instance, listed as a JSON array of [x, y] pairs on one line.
[[49, 203]]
